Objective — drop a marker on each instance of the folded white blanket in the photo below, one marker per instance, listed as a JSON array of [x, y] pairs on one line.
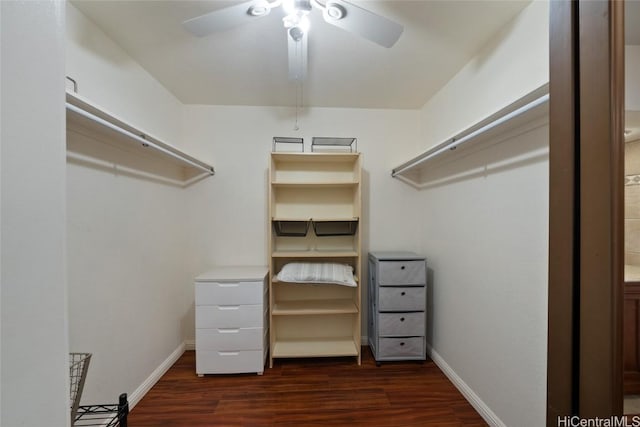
[[317, 272]]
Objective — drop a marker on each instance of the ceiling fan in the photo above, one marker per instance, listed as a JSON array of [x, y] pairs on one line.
[[340, 13]]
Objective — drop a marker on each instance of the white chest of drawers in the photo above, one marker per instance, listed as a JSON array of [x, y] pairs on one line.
[[231, 320], [397, 305]]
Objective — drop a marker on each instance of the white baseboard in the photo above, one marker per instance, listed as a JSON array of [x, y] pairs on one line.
[[188, 344], [155, 376], [485, 412]]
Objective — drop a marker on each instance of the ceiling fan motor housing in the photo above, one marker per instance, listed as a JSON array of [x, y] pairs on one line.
[[302, 5]]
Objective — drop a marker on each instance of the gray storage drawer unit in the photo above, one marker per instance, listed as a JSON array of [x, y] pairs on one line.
[[397, 306]]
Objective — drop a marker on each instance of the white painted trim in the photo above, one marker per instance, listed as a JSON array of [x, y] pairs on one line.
[[190, 344], [155, 376], [485, 412]]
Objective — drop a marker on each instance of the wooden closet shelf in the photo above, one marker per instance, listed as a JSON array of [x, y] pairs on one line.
[[321, 219], [320, 347], [315, 157], [275, 280], [309, 307], [314, 254], [314, 184]]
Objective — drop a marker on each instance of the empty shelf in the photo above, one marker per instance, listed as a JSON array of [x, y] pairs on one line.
[[320, 347], [314, 254], [530, 111], [308, 307], [287, 157], [327, 184], [86, 117]]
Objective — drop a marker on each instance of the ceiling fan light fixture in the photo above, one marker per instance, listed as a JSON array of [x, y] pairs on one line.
[[334, 11], [304, 24], [258, 10], [261, 8]]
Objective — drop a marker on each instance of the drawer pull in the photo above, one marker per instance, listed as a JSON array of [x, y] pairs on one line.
[[403, 293], [228, 353], [401, 344], [229, 285], [402, 268], [228, 331], [228, 307], [402, 319]]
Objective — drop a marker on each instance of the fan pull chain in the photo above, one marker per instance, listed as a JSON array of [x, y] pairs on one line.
[[295, 126], [299, 100], [299, 82]]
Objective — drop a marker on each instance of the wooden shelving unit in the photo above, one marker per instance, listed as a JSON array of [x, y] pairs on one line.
[[314, 192], [313, 254], [314, 307]]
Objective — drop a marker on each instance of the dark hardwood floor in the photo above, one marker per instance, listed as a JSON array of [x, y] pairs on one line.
[[307, 392]]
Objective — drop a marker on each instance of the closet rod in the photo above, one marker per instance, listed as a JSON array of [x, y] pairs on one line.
[[145, 142], [455, 142]]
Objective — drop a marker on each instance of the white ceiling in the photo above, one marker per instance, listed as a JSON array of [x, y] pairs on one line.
[[247, 65]]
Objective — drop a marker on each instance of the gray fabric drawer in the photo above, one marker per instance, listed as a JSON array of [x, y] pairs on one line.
[[398, 273], [401, 347], [401, 299], [401, 324]]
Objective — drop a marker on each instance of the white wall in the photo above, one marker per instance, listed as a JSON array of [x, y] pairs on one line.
[[632, 81], [129, 281], [34, 385], [511, 65], [229, 212], [485, 237], [485, 233], [110, 78]]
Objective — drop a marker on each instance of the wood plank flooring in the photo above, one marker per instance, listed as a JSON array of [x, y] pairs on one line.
[[307, 392]]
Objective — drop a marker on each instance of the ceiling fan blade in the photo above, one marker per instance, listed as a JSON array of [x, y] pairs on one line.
[[223, 19], [363, 22], [297, 43]]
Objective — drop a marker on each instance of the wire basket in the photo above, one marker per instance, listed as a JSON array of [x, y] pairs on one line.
[[103, 415], [78, 366]]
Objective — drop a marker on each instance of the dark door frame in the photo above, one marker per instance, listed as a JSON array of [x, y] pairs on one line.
[[586, 206]]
